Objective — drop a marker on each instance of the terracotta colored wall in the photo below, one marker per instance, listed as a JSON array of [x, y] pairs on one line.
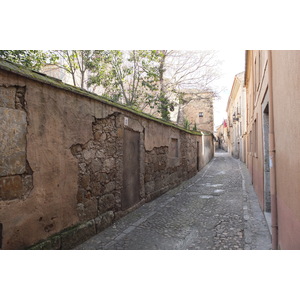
[[286, 106], [255, 96], [63, 181], [286, 95]]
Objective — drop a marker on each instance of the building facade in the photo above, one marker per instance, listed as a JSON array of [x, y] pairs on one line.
[[222, 136], [197, 109], [273, 139], [236, 111]]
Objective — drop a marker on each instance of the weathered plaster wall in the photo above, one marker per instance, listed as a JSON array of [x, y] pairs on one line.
[[64, 157]]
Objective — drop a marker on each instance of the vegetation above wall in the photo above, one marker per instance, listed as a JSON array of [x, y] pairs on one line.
[[148, 80], [40, 77]]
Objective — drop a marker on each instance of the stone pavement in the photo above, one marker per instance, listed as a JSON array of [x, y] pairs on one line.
[[216, 209]]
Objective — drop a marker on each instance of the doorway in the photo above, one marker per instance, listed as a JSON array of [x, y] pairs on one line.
[[131, 169], [267, 190]]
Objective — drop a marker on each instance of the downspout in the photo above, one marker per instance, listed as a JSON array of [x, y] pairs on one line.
[[274, 213]]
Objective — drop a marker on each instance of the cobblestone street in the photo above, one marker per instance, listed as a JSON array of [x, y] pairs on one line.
[[216, 209]]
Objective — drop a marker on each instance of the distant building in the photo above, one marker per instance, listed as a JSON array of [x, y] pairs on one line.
[[236, 111], [222, 136], [196, 107]]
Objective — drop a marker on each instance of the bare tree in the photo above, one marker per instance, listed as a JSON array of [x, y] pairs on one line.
[[142, 79], [191, 69], [74, 62], [185, 70]]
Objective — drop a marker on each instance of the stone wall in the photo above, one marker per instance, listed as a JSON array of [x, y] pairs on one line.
[[72, 162]]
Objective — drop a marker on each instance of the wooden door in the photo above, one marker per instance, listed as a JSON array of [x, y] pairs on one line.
[[131, 169]]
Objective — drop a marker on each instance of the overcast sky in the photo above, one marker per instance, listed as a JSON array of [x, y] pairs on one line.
[[233, 62]]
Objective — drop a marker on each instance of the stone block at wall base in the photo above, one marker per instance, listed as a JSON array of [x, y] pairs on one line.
[[72, 238], [68, 238], [54, 243], [104, 221]]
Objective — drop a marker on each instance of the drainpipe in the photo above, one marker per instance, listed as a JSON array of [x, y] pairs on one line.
[[274, 213]]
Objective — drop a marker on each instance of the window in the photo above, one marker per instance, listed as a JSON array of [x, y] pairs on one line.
[[200, 114]]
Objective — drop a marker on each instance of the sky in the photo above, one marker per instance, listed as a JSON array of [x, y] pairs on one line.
[[233, 62]]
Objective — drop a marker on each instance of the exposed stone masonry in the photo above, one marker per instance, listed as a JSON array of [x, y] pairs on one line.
[[156, 172], [15, 172], [163, 172], [99, 185], [72, 163], [216, 209], [195, 103]]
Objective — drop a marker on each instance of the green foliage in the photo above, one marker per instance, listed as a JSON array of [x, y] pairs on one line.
[[186, 124], [139, 79], [195, 127], [33, 59], [129, 76], [163, 107], [74, 62]]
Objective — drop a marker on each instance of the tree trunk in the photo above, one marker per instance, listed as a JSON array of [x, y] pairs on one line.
[[162, 95]]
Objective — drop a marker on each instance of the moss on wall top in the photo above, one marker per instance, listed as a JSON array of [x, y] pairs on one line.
[[43, 78]]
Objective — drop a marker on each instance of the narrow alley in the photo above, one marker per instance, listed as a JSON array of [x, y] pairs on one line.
[[216, 209]]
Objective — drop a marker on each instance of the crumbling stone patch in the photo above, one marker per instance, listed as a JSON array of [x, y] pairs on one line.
[[7, 96], [157, 171], [163, 171], [12, 97], [20, 102], [98, 161], [13, 141], [15, 173]]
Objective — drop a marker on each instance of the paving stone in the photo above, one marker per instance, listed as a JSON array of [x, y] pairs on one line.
[[193, 216]]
